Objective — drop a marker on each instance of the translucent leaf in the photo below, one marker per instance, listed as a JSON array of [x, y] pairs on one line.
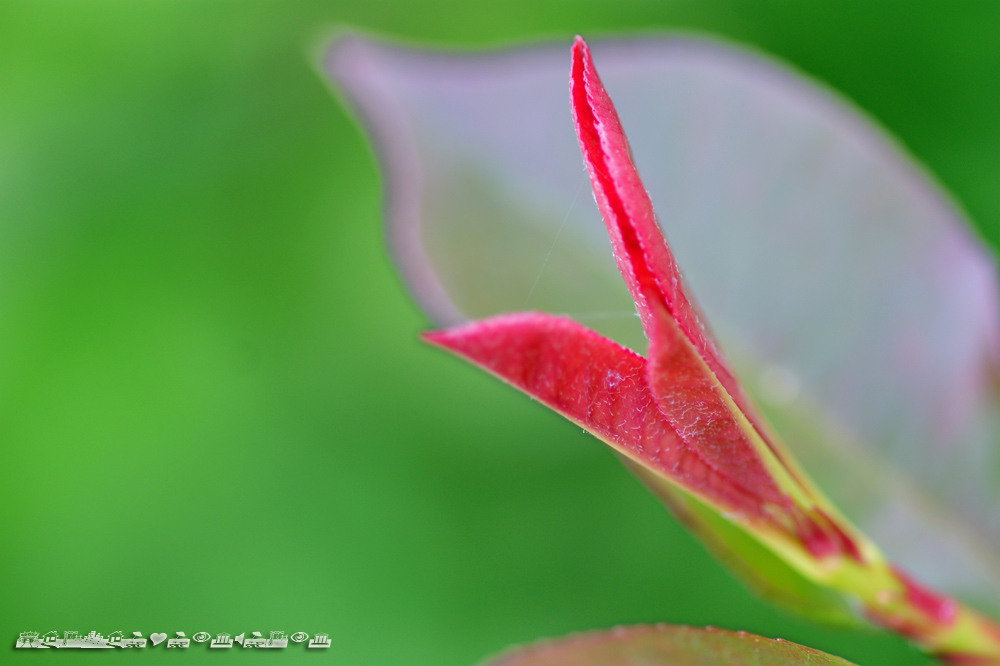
[[846, 288], [665, 646]]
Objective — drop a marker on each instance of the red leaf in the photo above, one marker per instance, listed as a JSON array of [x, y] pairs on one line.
[[597, 384], [688, 375], [681, 416], [679, 345], [681, 413]]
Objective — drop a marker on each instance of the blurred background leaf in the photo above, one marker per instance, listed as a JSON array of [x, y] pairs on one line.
[[664, 645], [214, 412]]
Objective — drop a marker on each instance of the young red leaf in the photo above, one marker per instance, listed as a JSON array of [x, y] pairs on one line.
[[688, 376], [597, 384], [843, 282], [681, 415]]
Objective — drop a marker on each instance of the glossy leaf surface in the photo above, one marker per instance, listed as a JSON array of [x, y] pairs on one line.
[[844, 285]]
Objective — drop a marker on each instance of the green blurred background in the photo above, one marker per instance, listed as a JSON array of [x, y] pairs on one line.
[[214, 412]]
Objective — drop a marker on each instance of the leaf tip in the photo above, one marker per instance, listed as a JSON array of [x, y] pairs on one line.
[[438, 338]]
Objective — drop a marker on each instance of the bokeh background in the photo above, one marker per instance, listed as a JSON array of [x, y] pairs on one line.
[[214, 412]]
